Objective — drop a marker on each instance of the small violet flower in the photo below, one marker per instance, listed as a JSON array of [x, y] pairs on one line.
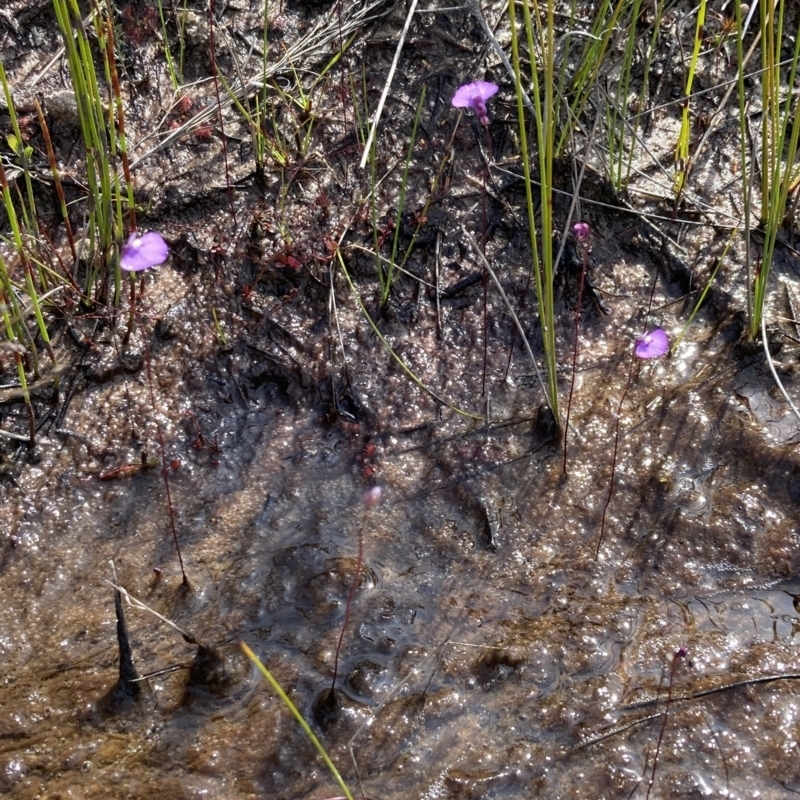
[[143, 251], [652, 345], [372, 497], [474, 96], [581, 231]]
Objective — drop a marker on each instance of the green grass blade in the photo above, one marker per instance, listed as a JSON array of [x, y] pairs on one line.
[[704, 293], [778, 154], [543, 97], [682, 149], [300, 719]]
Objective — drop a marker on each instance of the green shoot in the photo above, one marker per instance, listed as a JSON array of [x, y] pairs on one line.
[[621, 134], [263, 145], [30, 286], [119, 120], [402, 364], [700, 300], [175, 77], [434, 187], [276, 687], [182, 17], [643, 92], [606, 21], [682, 149], [103, 229], [299, 105], [304, 119], [223, 340], [19, 341], [746, 184], [261, 98], [23, 154], [116, 139]]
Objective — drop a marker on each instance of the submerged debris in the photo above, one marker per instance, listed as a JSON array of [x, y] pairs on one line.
[[128, 684], [213, 672]]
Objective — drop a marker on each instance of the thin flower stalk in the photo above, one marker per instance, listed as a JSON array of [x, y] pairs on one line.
[[582, 232]]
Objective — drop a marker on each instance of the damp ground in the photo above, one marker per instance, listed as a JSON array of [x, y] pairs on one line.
[[496, 646]]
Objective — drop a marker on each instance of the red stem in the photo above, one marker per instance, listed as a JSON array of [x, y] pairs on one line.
[[614, 460], [350, 598], [681, 653], [585, 247], [164, 467]]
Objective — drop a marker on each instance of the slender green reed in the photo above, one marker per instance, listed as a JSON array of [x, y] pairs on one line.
[[399, 361], [175, 73], [682, 148], [276, 687], [181, 23], [606, 21], [99, 136], [24, 241], [221, 337], [31, 289], [118, 150], [743, 138], [27, 204], [261, 99], [258, 116], [622, 134], [264, 145], [19, 340], [709, 283], [299, 105]]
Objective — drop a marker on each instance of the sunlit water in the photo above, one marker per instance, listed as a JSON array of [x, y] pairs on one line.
[[495, 647]]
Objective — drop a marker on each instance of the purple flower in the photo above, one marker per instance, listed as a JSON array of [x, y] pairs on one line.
[[474, 96], [372, 497], [581, 231], [143, 252], [652, 345]]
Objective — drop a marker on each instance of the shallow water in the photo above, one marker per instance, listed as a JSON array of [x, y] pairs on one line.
[[488, 653]]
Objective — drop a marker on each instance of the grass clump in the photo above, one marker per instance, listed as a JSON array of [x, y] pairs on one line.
[[780, 132], [540, 42], [34, 274]]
